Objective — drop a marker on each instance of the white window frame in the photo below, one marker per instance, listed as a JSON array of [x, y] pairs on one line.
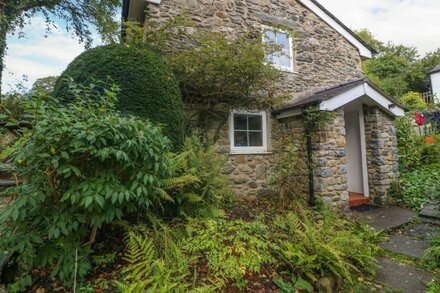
[[248, 150], [291, 68]]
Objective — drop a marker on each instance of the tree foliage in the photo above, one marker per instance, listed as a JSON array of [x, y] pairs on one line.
[[148, 87], [398, 69], [44, 85]]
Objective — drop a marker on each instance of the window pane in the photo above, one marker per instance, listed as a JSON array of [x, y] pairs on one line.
[[255, 122], [283, 40], [271, 58], [240, 139], [269, 36], [284, 61], [240, 122], [256, 139]]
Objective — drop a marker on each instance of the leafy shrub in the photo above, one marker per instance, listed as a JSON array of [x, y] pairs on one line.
[[232, 248], [287, 170], [413, 101], [430, 153], [84, 166], [418, 187], [409, 144], [148, 87], [314, 244], [198, 187], [292, 287]]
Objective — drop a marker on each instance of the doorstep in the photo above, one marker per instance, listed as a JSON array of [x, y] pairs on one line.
[[357, 199]]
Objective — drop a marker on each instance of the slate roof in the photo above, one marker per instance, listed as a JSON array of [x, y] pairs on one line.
[[318, 96], [435, 69]]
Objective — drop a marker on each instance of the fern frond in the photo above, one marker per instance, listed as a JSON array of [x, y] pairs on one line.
[[164, 195], [181, 181]]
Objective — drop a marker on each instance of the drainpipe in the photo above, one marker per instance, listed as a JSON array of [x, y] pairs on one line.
[[310, 163], [310, 168]]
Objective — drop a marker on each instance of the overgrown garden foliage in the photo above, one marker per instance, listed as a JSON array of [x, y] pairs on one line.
[[84, 166], [301, 247], [216, 74], [148, 88], [419, 159], [413, 101]]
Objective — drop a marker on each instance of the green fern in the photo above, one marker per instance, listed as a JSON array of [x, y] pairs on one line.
[[198, 185], [315, 243], [147, 272], [156, 263]]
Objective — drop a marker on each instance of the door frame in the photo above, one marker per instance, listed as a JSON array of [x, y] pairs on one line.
[[363, 153]]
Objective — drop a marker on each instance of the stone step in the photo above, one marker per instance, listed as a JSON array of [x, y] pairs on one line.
[[406, 245], [431, 211], [385, 218], [402, 277]]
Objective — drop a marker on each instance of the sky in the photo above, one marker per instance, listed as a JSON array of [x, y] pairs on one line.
[[409, 22]]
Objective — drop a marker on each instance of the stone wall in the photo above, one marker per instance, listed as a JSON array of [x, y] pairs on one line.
[[329, 159], [382, 158], [249, 173], [331, 162], [322, 56]]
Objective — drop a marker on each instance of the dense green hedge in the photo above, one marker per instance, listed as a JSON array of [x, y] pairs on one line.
[[148, 87]]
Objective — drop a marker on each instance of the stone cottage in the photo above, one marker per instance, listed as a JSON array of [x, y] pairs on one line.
[[355, 156]]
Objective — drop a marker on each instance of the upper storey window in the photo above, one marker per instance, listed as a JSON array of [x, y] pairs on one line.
[[283, 58]]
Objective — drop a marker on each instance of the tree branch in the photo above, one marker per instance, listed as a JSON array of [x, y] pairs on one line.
[[36, 4]]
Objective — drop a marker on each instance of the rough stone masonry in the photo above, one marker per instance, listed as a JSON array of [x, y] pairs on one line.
[[322, 58]]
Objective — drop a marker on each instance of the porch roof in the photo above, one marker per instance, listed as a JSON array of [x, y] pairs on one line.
[[337, 96], [435, 69]]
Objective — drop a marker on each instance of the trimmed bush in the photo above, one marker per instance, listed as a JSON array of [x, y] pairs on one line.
[[148, 87]]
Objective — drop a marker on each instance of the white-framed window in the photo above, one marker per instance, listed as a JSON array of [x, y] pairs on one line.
[[248, 131], [283, 59]]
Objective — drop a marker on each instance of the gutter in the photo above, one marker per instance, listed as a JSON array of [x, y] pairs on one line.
[[296, 106]]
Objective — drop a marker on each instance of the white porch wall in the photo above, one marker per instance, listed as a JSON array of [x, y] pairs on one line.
[[435, 83]]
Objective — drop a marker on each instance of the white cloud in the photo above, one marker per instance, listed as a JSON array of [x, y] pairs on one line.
[[38, 54], [409, 22]]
